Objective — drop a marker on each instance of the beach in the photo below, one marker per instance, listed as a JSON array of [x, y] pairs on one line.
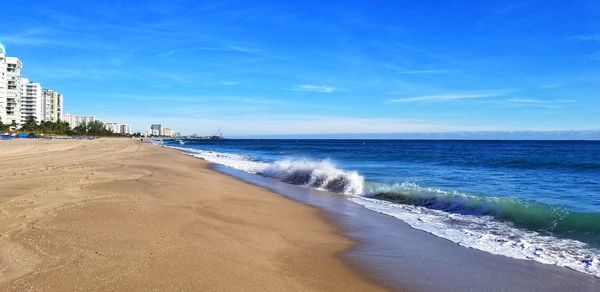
[[116, 214]]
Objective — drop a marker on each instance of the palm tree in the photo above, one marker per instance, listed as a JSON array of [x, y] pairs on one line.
[[30, 125]]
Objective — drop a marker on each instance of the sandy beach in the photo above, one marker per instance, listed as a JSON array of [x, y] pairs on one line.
[[115, 214]]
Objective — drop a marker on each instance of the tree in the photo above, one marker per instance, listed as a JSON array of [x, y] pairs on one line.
[[58, 128], [94, 128], [3, 127], [30, 125], [81, 129], [97, 128]]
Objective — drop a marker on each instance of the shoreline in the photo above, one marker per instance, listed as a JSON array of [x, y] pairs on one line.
[[392, 253], [118, 214]]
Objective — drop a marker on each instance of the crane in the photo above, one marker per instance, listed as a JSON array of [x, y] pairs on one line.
[[218, 135]]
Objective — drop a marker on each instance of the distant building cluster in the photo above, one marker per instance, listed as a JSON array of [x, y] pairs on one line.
[[117, 128], [123, 129], [158, 131], [21, 98], [76, 121]]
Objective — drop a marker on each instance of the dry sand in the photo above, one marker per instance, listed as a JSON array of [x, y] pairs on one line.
[[115, 214]]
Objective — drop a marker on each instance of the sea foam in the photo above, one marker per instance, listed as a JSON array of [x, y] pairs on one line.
[[486, 234]]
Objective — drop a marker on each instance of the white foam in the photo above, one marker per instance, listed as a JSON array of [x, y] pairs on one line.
[[236, 161], [484, 233]]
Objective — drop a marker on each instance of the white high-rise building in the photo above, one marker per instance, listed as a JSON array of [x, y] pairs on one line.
[[126, 129], [3, 83], [156, 129], [21, 99], [52, 106], [59, 113], [31, 100], [13, 90], [47, 105]]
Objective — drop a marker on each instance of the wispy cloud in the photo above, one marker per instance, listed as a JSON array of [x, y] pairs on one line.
[[236, 49], [229, 83], [168, 53], [588, 37], [423, 72], [525, 100], [539, 101], [451, 96], [509, 9], [223, 49], [33, 37], [315, 88], [170, 76]]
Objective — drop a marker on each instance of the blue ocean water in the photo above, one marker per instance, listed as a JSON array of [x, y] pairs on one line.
[[536, 200]]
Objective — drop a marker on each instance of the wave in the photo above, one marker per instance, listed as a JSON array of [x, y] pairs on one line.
[[318, 174], [543, 218], [324, 174], [498, 225]]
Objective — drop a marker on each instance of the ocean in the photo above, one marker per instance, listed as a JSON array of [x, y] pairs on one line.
[[535, 200]]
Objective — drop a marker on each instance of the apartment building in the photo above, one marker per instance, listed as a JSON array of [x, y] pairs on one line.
[[20, 98], [13, 91], [31, 100], [3, 83], [52, 106]]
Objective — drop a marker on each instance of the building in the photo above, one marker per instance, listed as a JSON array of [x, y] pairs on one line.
[[117, 128], [126, 129], [167, 132], [31, 100], [112, 127], [58, 108], [75, 121], [13, 91], [3, 83], [52, 106], [21, 99], [156, 130]]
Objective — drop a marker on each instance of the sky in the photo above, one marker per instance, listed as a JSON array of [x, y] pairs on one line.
[[316, 67]]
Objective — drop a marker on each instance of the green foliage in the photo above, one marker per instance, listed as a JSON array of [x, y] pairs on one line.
[[3, 127], [46, 127], [95, 128], [30, 125]]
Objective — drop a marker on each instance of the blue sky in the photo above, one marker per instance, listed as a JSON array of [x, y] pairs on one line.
[[273, 67]]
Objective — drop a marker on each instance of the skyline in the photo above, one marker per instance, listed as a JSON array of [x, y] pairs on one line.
[[310, 68]]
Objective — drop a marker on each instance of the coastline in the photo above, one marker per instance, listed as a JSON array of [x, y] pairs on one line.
[[391, 252], [118, 214]]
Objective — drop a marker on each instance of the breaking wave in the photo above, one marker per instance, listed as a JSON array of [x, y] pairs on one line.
[[322, 174]]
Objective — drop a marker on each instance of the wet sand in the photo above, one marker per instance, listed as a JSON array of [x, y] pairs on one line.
[[115, 214]]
